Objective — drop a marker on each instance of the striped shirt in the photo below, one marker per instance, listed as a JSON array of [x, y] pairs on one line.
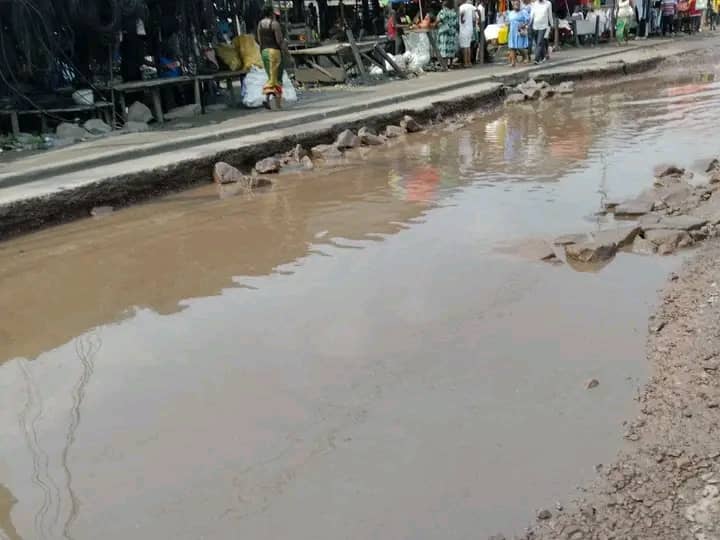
[[668, 7]]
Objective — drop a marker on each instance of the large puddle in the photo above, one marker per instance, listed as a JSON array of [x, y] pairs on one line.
[[360, 352]]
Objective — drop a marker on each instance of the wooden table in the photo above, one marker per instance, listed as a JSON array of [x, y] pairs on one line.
[[99, 107], [228, 77], [153, 86], [342, 56]]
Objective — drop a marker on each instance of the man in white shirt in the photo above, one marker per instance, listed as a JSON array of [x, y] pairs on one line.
[[541, 21]]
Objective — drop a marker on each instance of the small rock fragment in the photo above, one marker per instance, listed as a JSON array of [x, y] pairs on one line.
[[590, 252], [641, 246], [592, 383], [713, 165], [307, 163], [347, 139], [636, 207], [223, 173], [298, 152], [567, 87], [544, 514], [514, 98], [392, 132], [268, 165], [326, 151], [410, 124]]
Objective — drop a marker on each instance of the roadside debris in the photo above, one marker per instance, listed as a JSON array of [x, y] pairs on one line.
[[533, 90]]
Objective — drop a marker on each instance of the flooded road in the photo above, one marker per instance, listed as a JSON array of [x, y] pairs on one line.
[[359, 352]]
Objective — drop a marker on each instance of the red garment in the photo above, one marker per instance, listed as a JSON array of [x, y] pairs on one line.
[[693, 11], [391, 30]]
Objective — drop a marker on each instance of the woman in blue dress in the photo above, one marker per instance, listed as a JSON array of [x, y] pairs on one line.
[[518, 32]]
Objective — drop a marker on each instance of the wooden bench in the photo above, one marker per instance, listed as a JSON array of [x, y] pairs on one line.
[[100, 108], [228, 77], [154, 86]]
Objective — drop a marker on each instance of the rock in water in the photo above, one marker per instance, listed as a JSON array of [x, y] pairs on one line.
[[514, 98], [299, 152], [591, 252], [671, 171], [307, 163], [269, 165], [621, 237], [642, 246], [392, 132], [410, 125], [71, 132], [666, 239], [592, 383], [370, 139], [138, 112], [366, 131], [544, 514], [636, 207], [685, 223], [186, 111], [326, 151], [567, 87], [347, 139], [224, 173], [713, 166], [97, 127]]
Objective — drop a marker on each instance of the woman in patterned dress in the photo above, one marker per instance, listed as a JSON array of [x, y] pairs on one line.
[[447, 30]]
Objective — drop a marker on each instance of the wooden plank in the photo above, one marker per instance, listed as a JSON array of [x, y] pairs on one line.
[[15, 123], [157, 105], [390, 61], [319, 68], [356, 53], [372, 60]]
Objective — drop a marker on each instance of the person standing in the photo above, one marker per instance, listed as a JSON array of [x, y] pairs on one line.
[[518, 36], [468, 22], [669, 9], [447, 25], [624, 17], [541, 22], [270, 38]]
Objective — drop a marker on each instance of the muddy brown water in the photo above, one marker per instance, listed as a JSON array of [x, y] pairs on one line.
[[359, 352]]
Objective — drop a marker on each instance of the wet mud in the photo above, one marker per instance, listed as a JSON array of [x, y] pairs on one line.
[[362, 350]]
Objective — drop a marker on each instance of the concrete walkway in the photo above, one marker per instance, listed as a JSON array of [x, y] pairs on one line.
[[333, 102], [132, 164]]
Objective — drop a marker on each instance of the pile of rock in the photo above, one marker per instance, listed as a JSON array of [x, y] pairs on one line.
[[303, 159], [672, 214], [532, 90]]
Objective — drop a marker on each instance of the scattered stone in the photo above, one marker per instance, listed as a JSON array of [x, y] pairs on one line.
[[224, 173], [269, 165], [372, 140], [671, 171], [135, 127], [567, 87], [366, 131], [544, 514], [621, 236], [592, 383], [514, 98], [347, 139], [139, 112], [567, 239], [307, 163], [591, 252], [530, 89], [682, 222], [298, 152], [392, 132], [326, 151], [410, 124], [95, 126], [669, 238], [642, 246], [70, 131], [713, 165], [100, 211], [186, 111], [635, 207]]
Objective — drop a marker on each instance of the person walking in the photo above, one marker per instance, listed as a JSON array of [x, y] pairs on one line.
[[624, 16], [272, 44], [518, 36], [447, 25], [541, 21], [669, 10], [468, 22]]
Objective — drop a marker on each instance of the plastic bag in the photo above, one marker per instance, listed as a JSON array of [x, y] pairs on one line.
[[418, 44], [252, 88]]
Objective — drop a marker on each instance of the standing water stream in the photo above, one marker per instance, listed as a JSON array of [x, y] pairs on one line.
[[359, 352]]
